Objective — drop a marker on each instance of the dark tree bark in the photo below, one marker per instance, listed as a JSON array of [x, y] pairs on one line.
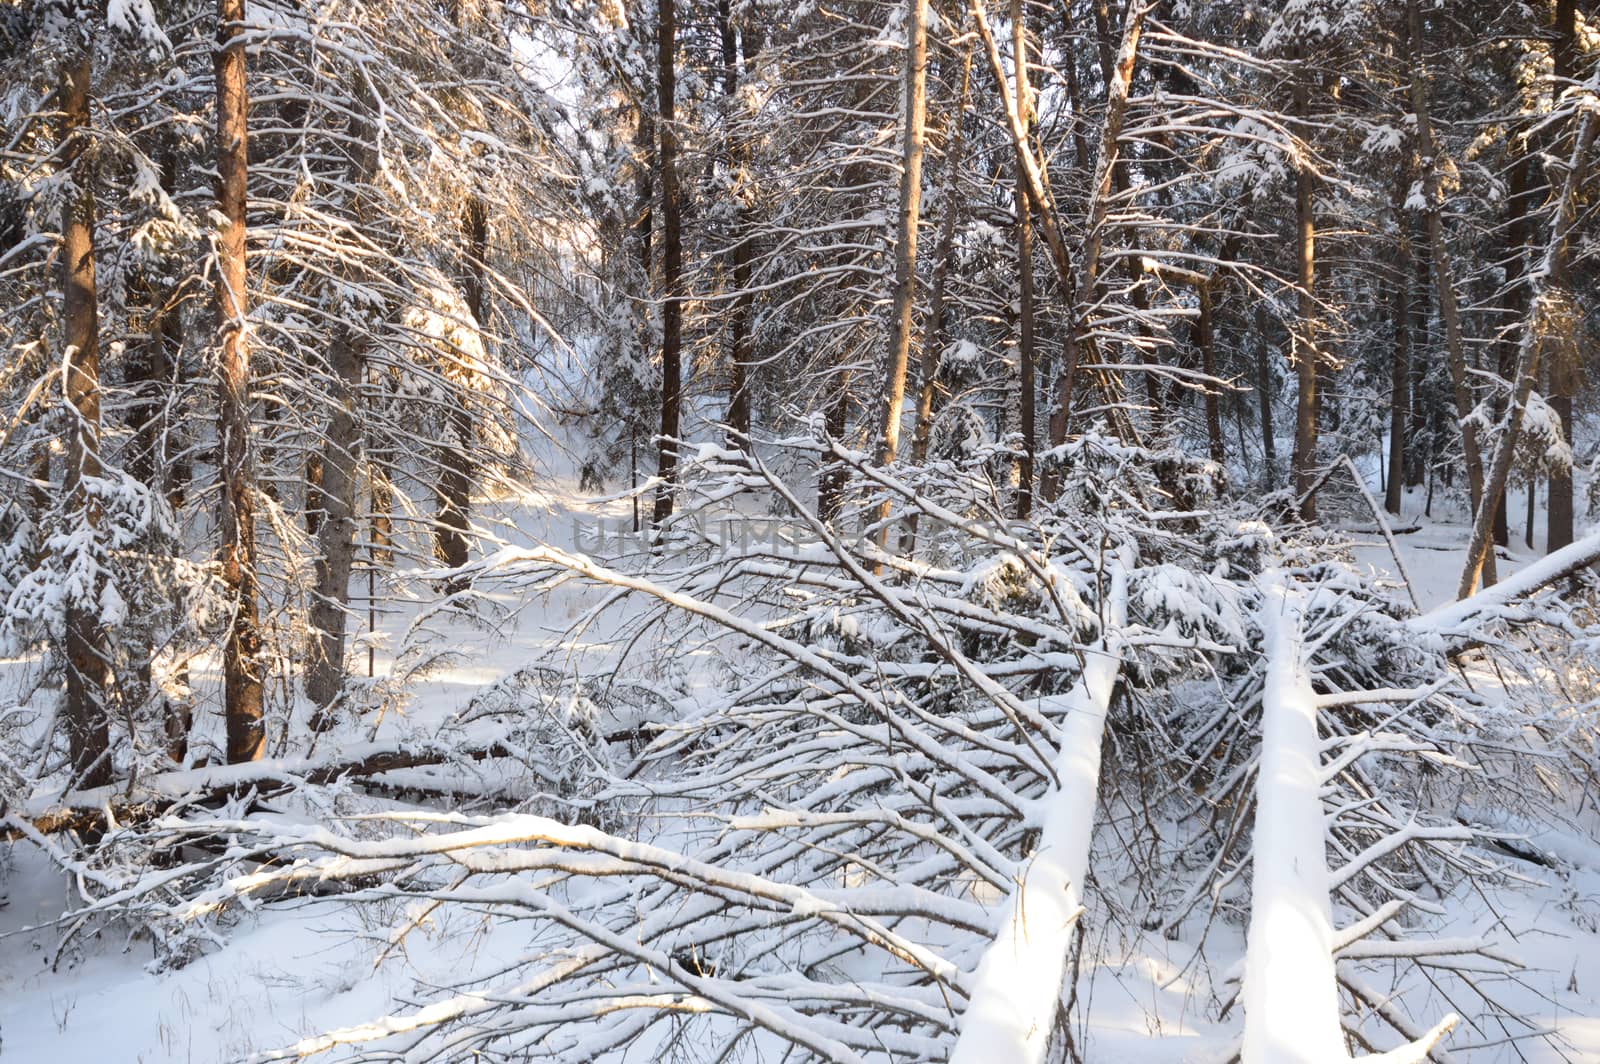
[[452, 532], [830, 484], [1422, 427], [739, 339], [933, 328], [241, 658], [1400, 355], [1204, 337], [1305, 344], [671, 256], [1269, 443], [1443, 274], [1025, 357], [152, 368], [1563, 367], [330, 598], [88, 647]]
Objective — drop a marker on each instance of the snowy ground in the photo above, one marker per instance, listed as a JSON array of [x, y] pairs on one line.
[[292, 971]]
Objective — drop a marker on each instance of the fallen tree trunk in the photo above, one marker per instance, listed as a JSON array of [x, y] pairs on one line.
[[1017, 987], [100, 808], [1465, 617], [1291, 986]]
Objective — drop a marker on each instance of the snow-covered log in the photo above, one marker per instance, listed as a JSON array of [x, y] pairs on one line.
[[1467, 617], [1291, 987], [1018, 982]]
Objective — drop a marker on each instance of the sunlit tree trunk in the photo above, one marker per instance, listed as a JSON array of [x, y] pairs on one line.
[[1549, 320], [915, 83], [1305, 343], [241, 659], [88, 650]]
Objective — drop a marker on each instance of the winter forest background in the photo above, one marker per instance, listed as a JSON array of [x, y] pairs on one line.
[[727, 530]]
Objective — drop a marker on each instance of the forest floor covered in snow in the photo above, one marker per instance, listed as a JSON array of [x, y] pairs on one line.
[[283, 972]]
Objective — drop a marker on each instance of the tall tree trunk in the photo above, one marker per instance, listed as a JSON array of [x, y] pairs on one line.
[[1527, 527], [1204, 330], [241, 656], [88, 648], [739, 346], [1269, 442], [1025, 362], [671, 256], [151, 377], [1546, 301], [380, 496], [1421, 459], [1399, 357], [1443, 274], [1075, 95], [452, 532], [334, 496], [330, 598], [1563, 368], [1078, 341], [905, 252], [1305, 345], [830, 484], [933, 328]]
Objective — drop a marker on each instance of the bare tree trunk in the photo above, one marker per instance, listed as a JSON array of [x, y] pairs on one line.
[[1077, 340], [380, 493], [905, 253], [830, 484], [739, 322], [452, 532], [1399, 365], [335, 493], [1025, 363], [1443, 274], [1527, 528], [1269, 443], [88, 648], [671, 257], [241, 657], [933, 328], [330, 598], [1080, 131], [1546, 309], [1204, 330], [1563, 368], [1421, 459], [152, 375], [1305, 346]]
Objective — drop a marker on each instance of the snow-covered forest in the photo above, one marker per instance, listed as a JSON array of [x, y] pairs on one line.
[[989, 531]]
